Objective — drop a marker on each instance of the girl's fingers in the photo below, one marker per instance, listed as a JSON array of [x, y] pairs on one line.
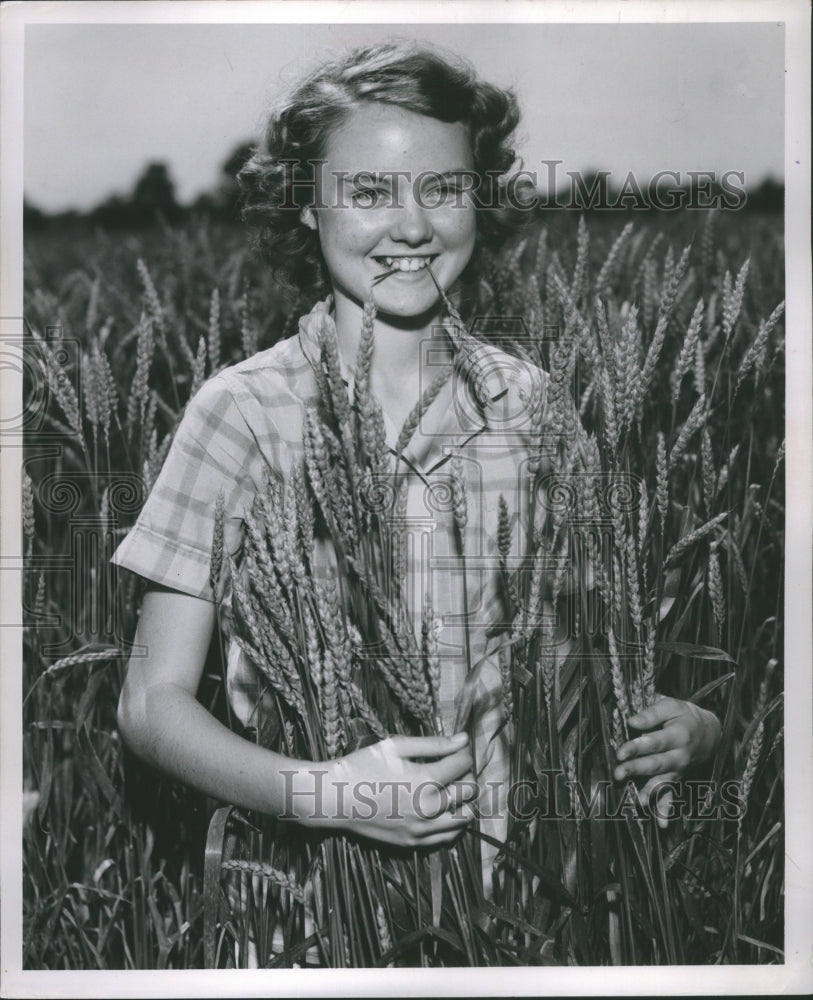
[[659, 793], [439, 808], [656, 714], [663, 807], [440, 840], [451, 768], [428, 746], [655, 742], [656, 782], [656, 763], [459, 793], [443, 830]]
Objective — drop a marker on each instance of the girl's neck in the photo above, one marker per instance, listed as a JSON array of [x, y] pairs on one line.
[[397, 356], [401, 366]]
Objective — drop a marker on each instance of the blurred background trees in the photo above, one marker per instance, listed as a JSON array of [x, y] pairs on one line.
[[153, 200]]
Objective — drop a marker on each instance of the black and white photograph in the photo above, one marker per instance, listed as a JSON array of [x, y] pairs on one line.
[[406, 493]]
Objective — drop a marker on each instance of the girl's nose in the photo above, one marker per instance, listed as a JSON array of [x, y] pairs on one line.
[[412, 224]]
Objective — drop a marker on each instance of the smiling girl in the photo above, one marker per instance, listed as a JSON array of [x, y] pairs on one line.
[[364, 181]]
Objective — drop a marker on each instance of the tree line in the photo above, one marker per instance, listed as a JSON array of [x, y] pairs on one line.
[[153, 199]]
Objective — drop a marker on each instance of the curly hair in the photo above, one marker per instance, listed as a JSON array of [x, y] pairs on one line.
[[278, 180]]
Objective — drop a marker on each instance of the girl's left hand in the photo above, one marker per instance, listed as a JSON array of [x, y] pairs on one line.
[[681, 736]]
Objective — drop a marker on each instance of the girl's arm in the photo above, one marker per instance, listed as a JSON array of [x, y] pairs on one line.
[[161, 721]]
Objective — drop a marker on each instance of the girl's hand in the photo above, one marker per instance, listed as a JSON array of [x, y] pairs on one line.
[[681, 736], [389, 792]]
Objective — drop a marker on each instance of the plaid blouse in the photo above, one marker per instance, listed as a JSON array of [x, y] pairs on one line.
[[249, 418]]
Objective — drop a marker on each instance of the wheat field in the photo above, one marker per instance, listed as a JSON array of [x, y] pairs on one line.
[[675, 359]]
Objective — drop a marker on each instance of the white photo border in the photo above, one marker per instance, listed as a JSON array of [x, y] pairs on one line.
[[796, 975]]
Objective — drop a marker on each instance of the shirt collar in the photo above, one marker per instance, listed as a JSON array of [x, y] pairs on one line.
[[315, 325]]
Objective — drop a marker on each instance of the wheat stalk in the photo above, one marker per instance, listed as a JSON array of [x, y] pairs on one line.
[[106, 387], [267, 873], [716, 591], [248, 330], [429, 648], [29, 523], [694, 422], [139, 390], [156, 310], [688, 349], [662, 480], [732, 299], [415, 415], [459, 504], [580, 268], [694, 536], [216, 562], [39, 599], [699, 368], [764, 684], [633, 584], [750, 769], [304, 511], [709, 473], [75, 659], [648, 676], [60, 386], [667, 304], [722, 478], [619, 686], [611, 261], [643, 517], [756, 352], [198, 368], [214, 337], [91, 392]]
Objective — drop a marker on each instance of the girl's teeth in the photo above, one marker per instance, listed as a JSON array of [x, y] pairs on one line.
[[406, 263]]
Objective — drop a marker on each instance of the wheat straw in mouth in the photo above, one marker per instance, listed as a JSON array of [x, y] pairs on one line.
[[469, 357]]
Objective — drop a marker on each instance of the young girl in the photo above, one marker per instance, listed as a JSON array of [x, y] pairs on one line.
[[380, 171]]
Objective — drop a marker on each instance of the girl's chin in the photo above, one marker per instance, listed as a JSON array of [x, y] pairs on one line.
[[411, 307], [408, 294]]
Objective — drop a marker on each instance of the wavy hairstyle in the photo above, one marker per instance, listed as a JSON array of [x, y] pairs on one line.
[[278, 179]]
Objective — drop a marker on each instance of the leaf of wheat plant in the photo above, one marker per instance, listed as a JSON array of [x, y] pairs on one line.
[[653, 566]]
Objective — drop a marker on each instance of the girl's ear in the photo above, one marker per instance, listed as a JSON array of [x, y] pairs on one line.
[[308, 216]]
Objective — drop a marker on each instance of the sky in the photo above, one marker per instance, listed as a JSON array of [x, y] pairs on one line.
[[103, 100]]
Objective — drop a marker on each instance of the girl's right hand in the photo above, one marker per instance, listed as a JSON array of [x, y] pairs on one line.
[[405, 790]]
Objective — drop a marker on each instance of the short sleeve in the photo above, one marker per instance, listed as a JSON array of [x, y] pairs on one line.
[[213, 450]]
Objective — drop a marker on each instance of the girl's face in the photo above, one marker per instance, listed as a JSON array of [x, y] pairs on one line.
[[390, 200]]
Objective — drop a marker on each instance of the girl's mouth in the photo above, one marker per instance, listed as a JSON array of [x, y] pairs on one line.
[[417, 262]]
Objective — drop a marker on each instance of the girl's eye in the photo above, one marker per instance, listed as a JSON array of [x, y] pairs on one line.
[[367, 197], [442, 193]]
